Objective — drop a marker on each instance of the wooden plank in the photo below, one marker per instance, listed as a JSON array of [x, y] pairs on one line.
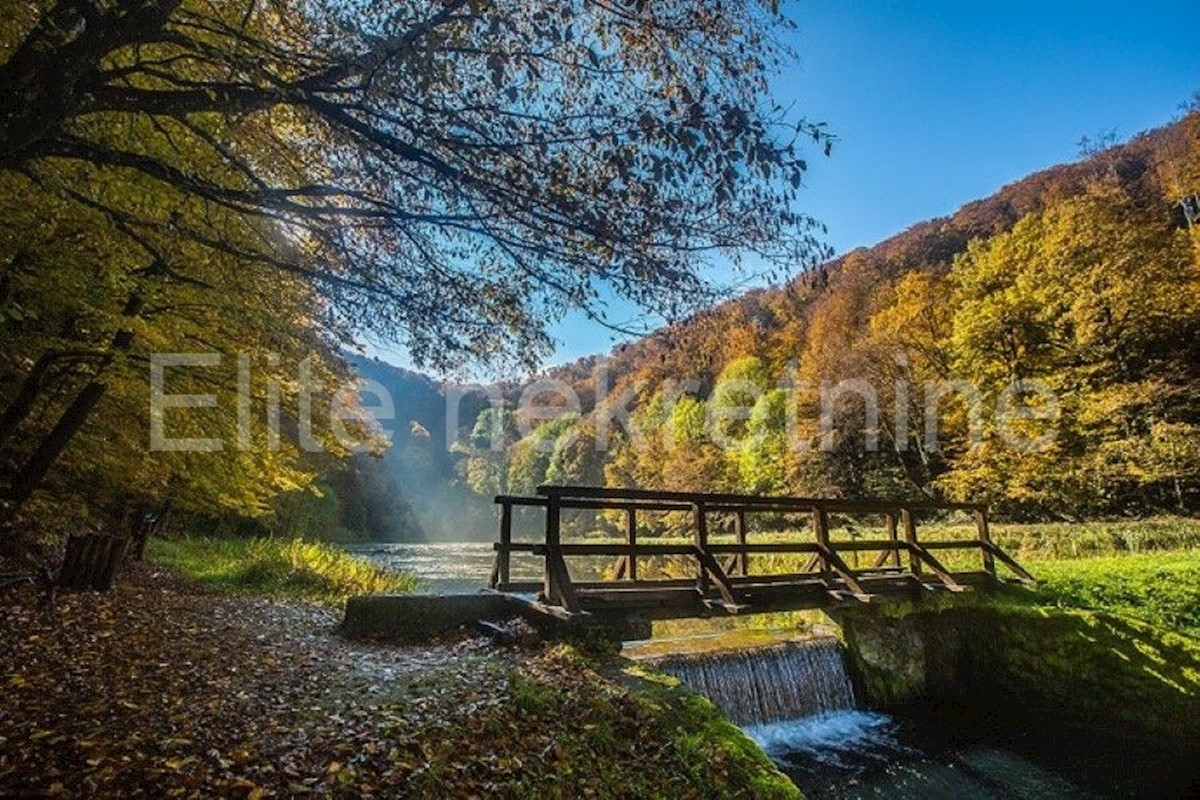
[[889, 522], [813, 547], [516, 547], [683, 595], [820, 522], [595, 504], [558, 589], [763, 547], [642, 583], [519, 587], [779, 577], [518, 500], [862, 545], [910, 538], [728, 501], [564, 591], [953, 544], [985, 538], [843, 570], [700, 534], [1010, 562], [943, 574], [618, 549], [739, 528], [717, 575], [631, 540], [500, 570]]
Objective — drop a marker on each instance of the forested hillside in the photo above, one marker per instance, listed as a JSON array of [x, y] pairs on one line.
[[1083, 280]]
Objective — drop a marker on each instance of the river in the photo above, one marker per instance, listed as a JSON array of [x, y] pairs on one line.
[[441, 567]]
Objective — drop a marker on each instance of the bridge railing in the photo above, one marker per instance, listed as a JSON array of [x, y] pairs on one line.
[[723, 568]]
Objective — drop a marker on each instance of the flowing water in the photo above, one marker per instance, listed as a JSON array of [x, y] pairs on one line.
[[768, 684], [441, 567]]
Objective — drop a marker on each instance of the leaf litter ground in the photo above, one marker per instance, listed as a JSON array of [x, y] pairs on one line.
[[165, 689]]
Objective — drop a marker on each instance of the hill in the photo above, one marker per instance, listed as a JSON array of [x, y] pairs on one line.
[[1080, 279]]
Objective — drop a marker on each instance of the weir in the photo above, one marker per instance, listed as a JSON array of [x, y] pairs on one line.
[[761, 685]]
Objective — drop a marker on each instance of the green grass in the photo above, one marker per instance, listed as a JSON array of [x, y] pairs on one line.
[[1162, 589], [275, 567]]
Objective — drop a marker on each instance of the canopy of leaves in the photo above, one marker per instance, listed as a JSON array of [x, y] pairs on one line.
[[452, 175]]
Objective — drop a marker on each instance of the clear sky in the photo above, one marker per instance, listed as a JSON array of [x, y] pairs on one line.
[[939, 102]]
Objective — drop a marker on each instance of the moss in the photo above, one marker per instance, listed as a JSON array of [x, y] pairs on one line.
[[1096, 668], [703, 736], [1004, 652], [579, 724]]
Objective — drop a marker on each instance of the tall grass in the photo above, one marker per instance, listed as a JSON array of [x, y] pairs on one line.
[[276, 567], [1162, 589]]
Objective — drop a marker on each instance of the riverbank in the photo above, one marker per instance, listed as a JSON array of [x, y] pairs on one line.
[[275, 567], [165, 688]]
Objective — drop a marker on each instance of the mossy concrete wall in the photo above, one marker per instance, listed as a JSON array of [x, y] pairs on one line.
[[416, 617], [419, 618], [1085, 667], [898, 658]]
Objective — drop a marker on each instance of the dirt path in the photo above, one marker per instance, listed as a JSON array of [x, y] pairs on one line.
[[163, 689]]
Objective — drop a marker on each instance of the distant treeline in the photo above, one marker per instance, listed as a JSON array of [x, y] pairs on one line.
[[1082, 281]]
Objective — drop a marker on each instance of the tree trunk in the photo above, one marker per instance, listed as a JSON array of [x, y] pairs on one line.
[[146, 524], [29, 477], [27, 396]]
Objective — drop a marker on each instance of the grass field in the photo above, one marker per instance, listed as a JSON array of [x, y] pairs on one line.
[[275, 567], [1162, 589]]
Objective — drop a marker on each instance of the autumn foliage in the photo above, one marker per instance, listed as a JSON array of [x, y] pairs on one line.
[[1083, 280]]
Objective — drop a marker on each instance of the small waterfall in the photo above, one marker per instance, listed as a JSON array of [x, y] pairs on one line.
[[768, 684]]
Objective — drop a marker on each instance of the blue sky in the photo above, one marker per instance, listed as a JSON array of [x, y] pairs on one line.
[[938, 103]]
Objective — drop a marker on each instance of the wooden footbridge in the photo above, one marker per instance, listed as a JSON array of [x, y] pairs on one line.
[[720, 578]]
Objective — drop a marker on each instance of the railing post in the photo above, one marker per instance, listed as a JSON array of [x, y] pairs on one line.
[[500, 572], [910, 536], [701, 540], [894, 556], [550, 588], [821, 531], [739, 526], [631, 540], [985, 539]]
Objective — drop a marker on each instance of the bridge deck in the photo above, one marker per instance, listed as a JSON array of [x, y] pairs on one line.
[[903, 567]]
